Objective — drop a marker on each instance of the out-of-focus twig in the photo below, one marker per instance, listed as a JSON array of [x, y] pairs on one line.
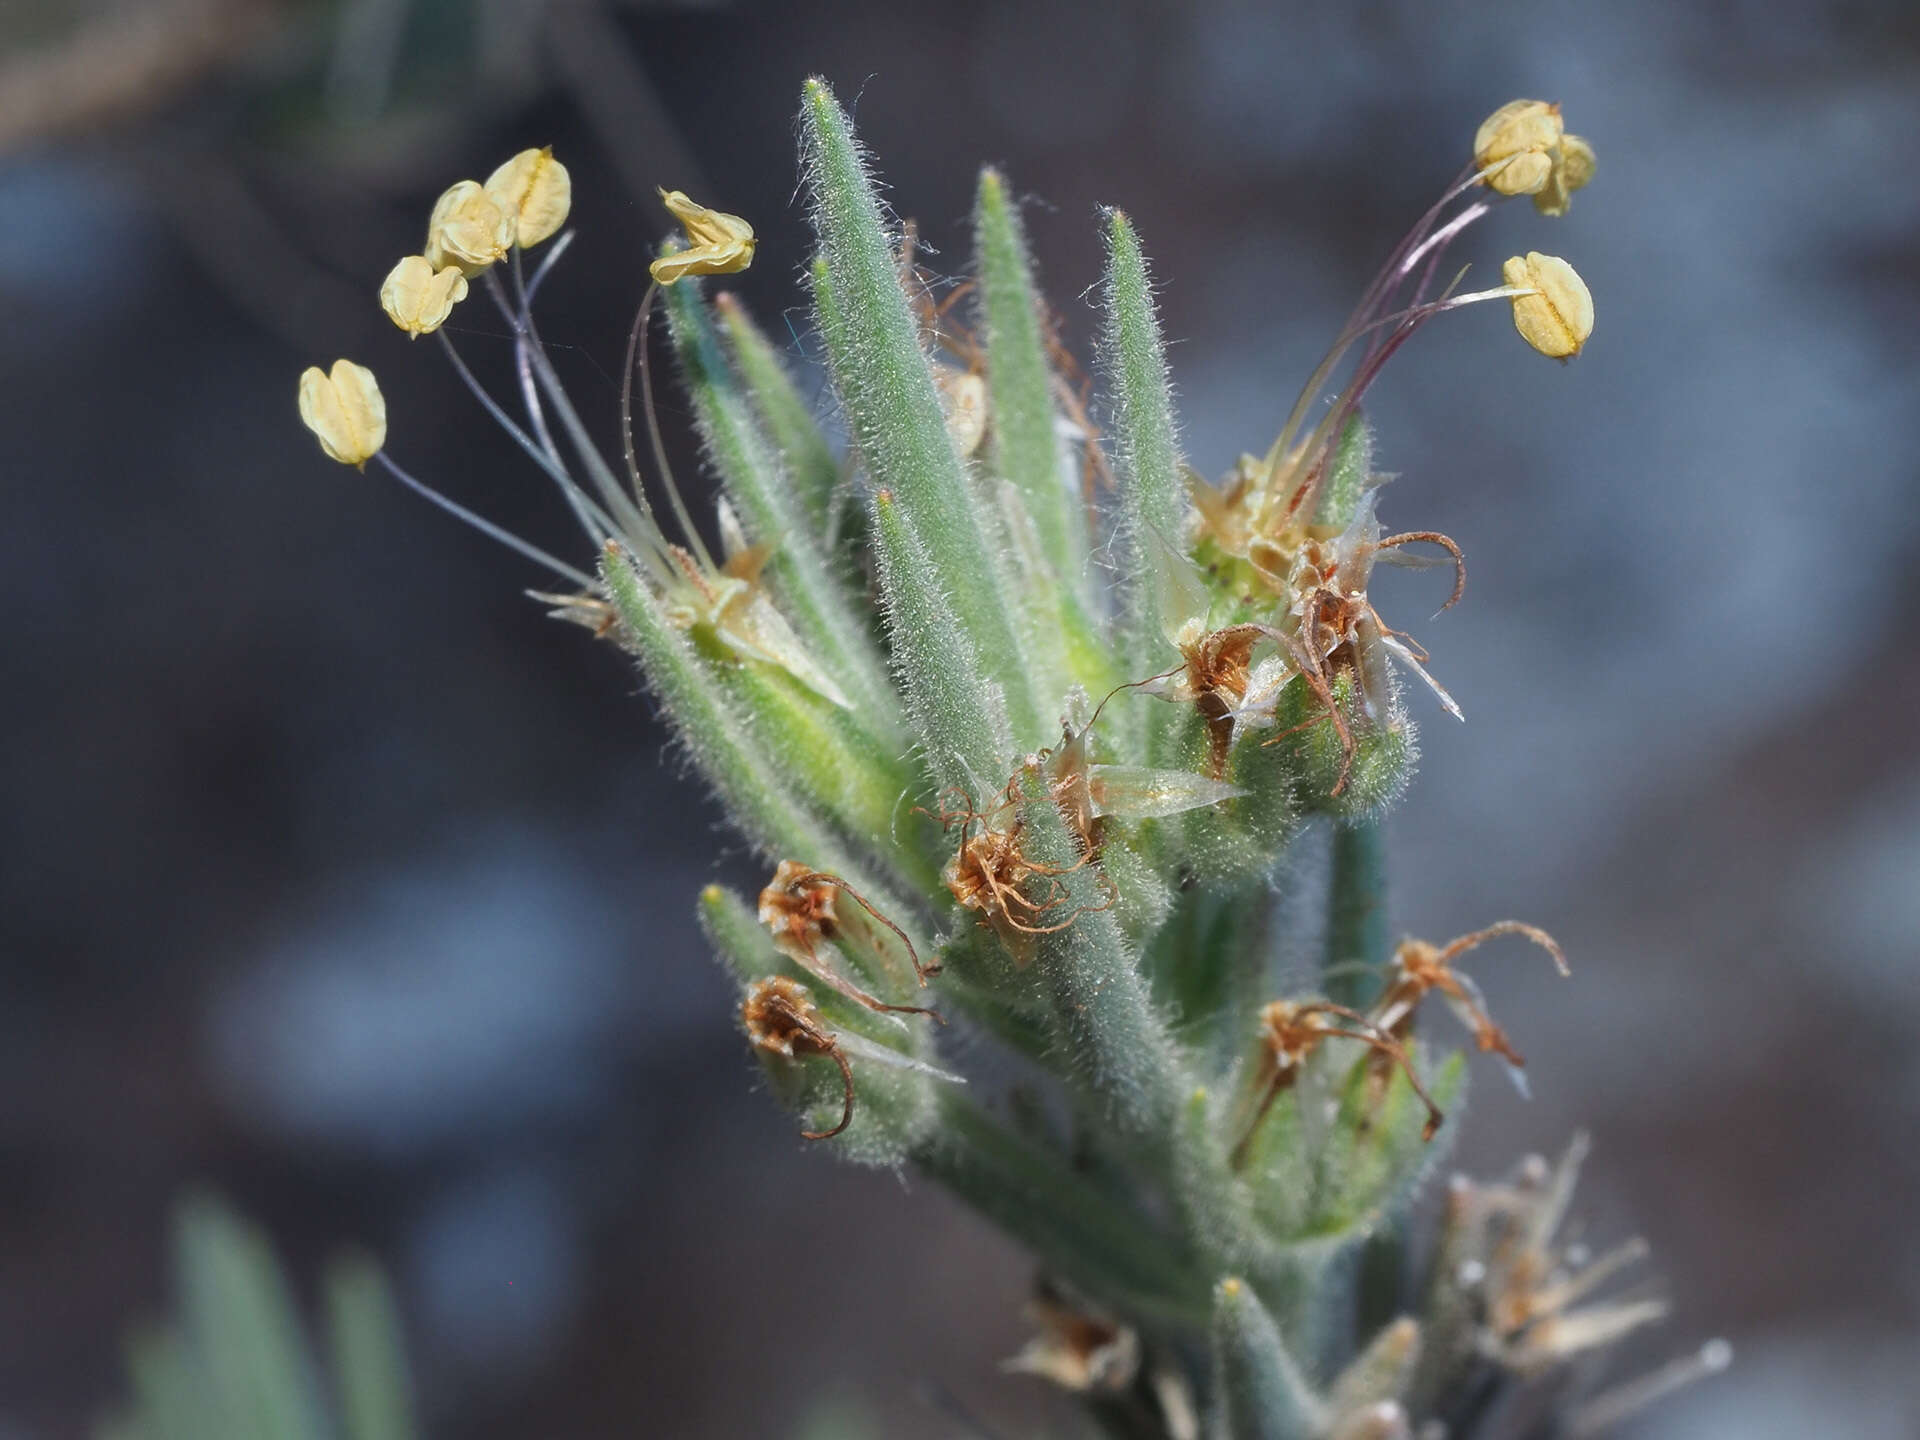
[[126, 62], [595, 61]]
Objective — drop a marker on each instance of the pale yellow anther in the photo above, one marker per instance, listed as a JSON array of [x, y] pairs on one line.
[[419, 298], [719, 244], [1515, 146], [468, 229], [346, 410], [535, 189], [964, 397], [1572, 168], [1555, 313]]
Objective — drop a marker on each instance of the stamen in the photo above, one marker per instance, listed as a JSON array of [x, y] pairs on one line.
[[529, 288], [1602, 1414], [637, 349], [1445, 542], [642, 534], [487, 527], [591, 517]]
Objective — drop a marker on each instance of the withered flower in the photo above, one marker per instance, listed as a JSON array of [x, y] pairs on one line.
[[800, 907], [780, 1018], [1499, 1242], [1078, 1348], [1421, 967]]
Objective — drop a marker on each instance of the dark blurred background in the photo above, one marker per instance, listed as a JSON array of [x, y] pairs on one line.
[[333, 874]]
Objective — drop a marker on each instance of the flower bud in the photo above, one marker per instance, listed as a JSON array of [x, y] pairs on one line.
[[1514, 146], [419, 298], [468, 229], [536, 191], [1556, 316], [718, 243], [346, 410]]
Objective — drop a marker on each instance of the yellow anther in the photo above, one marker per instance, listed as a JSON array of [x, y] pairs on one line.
[[535, 189], [1554, 312], [1572, 169], [346, 410], [1514, 147], [468, 229], [718, 243], [419, 298]]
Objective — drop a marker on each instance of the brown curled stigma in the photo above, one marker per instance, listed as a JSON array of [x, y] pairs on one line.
[[1446, 543], [780, 1018]]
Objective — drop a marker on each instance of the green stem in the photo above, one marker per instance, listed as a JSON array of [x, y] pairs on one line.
[[1357, 936]]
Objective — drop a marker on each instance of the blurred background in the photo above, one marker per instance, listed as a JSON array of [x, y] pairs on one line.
[[333, 874]]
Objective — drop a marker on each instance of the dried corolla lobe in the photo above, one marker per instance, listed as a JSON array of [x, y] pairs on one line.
[[1554, 314], [535, 191], [780, 1018], [346, 410], [717, 243], [1516, 147], [468, 229], [419, 298]]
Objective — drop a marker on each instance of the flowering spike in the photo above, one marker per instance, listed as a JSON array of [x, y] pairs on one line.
[[867, 664], [346, 410], [536, 191]]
